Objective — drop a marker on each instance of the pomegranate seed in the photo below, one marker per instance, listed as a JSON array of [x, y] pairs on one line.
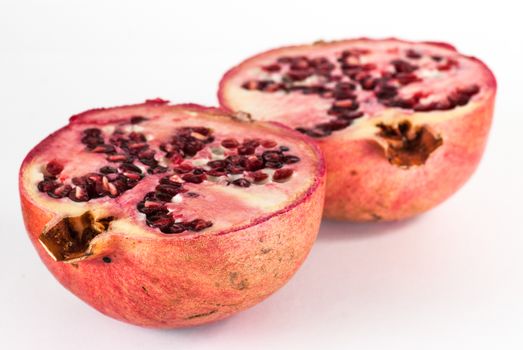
[[241, 182], [282, 174], [386, 92], [259, 176], [170, 189], [137, 119], [151, 209], [298, 75], [368, 66], [217, 172], [163, 196], [184, 168], [251, 85], [92, 132], [113, 190], [54, 167], [272, 156], [284, 59], [243, 150], [450, 63], [138, 146], [273, 165], [444, 105], [269, 143], [334, 125], [230, 143], [174, 228], [151, 204], [351, 115], [79, 181], [193, 147], [92, 141], [344, 103], [108, 170], [272, 68], [413, 54], [137, 137], [216, 164], [195, 179], [407, 78], [60, 192], [117, 158], [402, 66], [148, 154], [130, 167], [104, 149], [272, 88], [290, 159], [157, 170], [159, 221], [167, 147], [198, 225], [234, 169], [132, 176], [252, 142], [470, 90], [253, 163], [78, 194], [105, 183]]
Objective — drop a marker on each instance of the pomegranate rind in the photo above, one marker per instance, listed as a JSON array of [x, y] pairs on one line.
[[160, 281], [362, 185]]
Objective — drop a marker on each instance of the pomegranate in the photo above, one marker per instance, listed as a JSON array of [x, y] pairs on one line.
[[402, 124], [172, 215]]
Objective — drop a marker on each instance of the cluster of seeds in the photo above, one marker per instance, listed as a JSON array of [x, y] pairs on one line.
[[158, 215], [123, 147], [109, 181], [339, 82], [232, 163], [241, 165], [249, 158]]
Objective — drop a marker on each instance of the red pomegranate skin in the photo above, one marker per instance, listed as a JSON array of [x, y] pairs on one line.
[[171, 282], [362, 185]]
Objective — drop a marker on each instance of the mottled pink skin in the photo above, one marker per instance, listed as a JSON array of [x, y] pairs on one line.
[[169, 281], [363, 186], [361, 183]]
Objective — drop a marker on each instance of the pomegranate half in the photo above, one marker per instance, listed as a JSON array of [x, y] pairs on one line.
[[172, 215], [402, 124]]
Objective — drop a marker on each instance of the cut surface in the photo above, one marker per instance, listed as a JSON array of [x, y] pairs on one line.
[[172, 216], [328, 88], [158, 169], [402, 125]]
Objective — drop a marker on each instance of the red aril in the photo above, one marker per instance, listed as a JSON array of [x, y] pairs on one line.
[[149, 214], [402, 124]]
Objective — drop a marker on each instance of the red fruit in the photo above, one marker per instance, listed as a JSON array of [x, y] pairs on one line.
[[161, 247], [402, 124]]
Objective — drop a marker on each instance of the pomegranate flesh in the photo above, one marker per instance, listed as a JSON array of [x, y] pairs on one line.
[[172, 215], [402, 124]]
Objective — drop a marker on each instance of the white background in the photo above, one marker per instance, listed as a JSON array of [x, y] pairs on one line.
[[450, 279]]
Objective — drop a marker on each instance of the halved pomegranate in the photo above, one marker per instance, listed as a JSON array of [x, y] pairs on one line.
[[402, 124], [171, 216]]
